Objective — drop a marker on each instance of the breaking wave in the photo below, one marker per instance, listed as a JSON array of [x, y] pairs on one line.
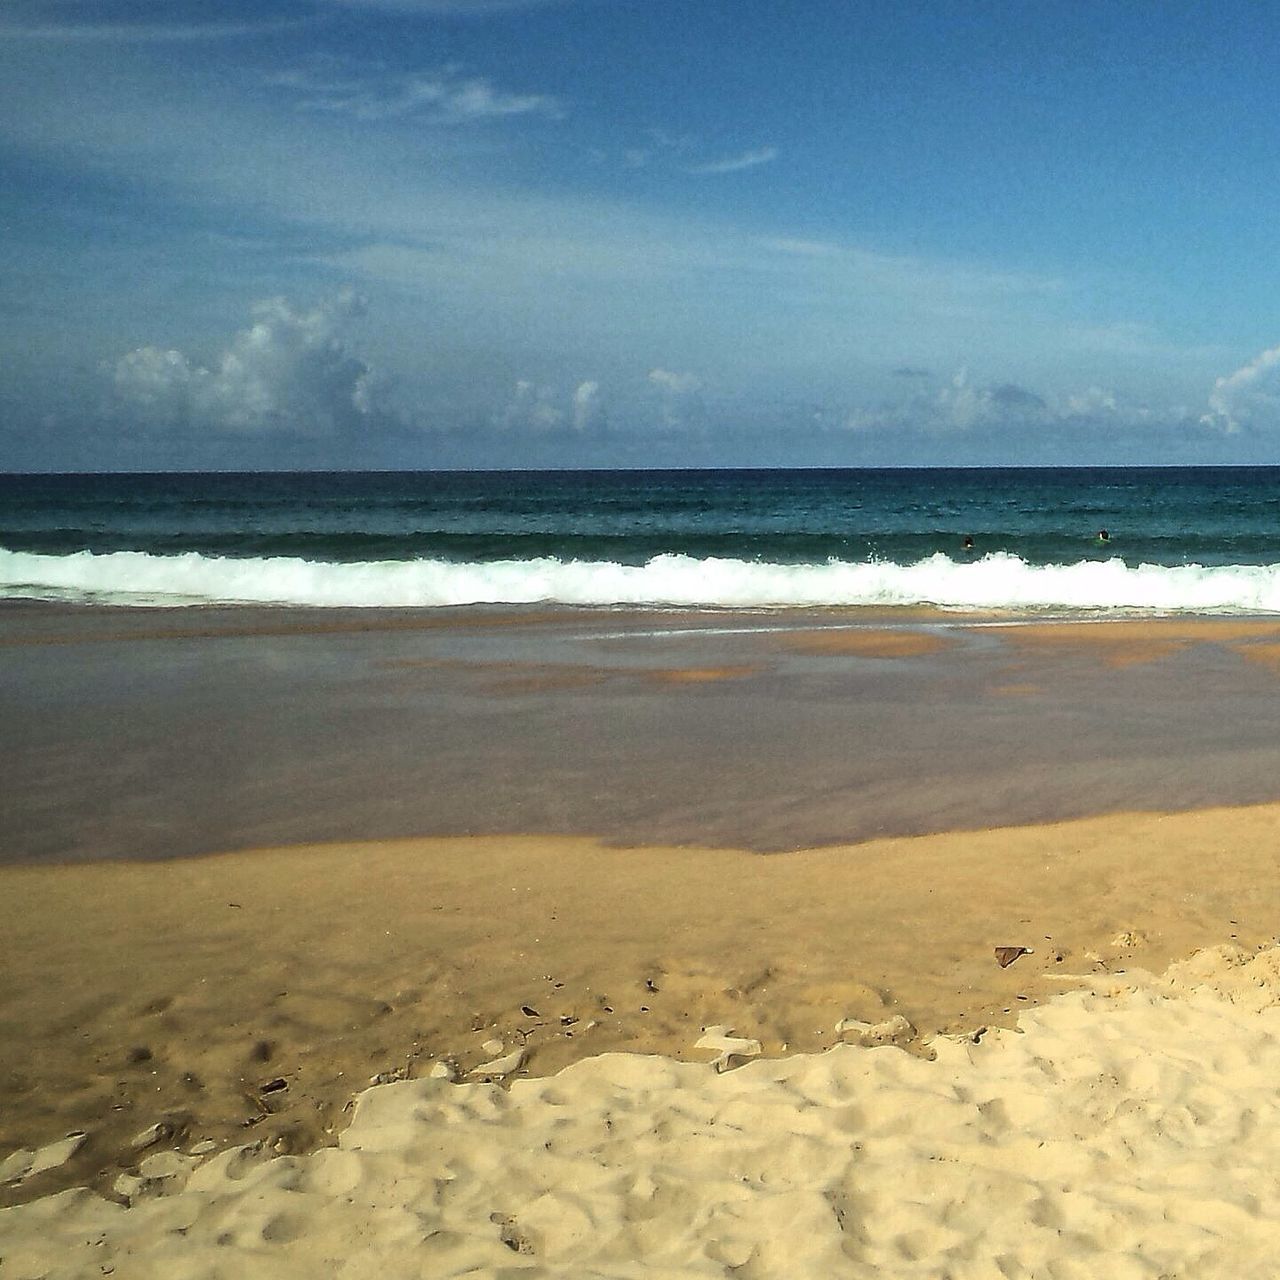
[[997, 581]]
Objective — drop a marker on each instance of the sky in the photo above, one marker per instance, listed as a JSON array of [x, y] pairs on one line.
[[514, 233]]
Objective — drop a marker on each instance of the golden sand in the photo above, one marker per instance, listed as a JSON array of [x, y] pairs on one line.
[[702, 675], [1129, 1130], [176, 993], [868, 642], [1132, 642]]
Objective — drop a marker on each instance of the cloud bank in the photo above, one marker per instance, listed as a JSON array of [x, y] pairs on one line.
[[291, 382], [1002, 412]]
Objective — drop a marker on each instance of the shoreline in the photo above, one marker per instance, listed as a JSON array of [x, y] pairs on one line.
[[171, 994]]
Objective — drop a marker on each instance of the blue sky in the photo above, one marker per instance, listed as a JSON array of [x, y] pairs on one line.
[[630, 232]]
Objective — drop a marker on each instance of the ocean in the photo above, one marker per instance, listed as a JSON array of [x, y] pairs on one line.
[[1202, 540]]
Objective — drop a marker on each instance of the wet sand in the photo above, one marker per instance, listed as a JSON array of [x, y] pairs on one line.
[[164, 733]]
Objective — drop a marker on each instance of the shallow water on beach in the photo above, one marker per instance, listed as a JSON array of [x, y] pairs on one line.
[[141, 733]]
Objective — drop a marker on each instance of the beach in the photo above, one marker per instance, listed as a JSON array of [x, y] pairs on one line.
[[639, 641], [816, 837]]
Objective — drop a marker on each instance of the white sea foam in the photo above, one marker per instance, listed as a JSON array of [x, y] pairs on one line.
[[994, 581]]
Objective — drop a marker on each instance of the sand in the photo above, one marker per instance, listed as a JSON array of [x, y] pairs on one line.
[[184, 1044], [1129, 642], [868, 642], [1127, 1132], [177, 994]]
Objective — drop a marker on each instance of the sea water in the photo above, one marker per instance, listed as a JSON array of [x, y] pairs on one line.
[[1180, 539]]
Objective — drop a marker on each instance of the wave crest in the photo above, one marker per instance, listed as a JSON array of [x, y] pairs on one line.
[[996, 581]]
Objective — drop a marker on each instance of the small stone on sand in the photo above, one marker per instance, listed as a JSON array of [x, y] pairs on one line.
[[24, 1164], [896, 1030], [499, 1067], [727, 1046], [151, 1135]]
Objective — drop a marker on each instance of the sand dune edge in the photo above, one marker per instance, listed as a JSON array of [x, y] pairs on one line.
[[1127, 1128]]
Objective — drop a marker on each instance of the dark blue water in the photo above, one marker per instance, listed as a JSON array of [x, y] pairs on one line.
[[1180, 538], [1162, 516]]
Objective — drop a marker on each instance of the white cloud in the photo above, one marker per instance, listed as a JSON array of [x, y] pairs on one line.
[[680, 403], [675, 383], [1097, 402], [158, 382], [803, 248], [289, 371], [735, 164], [588, 408], [965, 406], [442, 95], [962, 407], [531, 409], [679, 153], [139, 32], [1247, 398], [535, 409]]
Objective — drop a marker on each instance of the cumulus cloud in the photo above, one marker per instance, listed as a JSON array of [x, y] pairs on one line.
[[531, 409], [442, 95], [534, 409], [1248, 398], [290, 370], [959, 406], [1097, 402], [588, 407], [680, 401], [967, 406]]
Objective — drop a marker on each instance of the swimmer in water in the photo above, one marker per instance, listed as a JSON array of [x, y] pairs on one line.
[[1103, 536], [967, 544]]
